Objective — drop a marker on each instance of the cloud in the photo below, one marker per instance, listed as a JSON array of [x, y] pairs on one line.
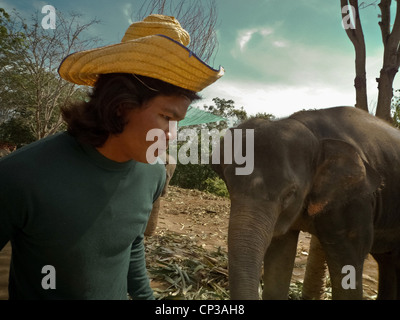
[[279, 60], [127, 11], [280, 43], [277, 99], [245, 35]]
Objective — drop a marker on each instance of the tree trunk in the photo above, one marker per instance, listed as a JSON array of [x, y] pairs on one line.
[[360, 83], [356, 36], [391, 61], [385, 95]]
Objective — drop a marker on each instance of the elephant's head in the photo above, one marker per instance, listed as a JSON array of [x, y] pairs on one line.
[[294, 175]]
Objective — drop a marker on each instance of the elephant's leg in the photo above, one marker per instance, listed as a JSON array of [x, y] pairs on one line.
[[346, 235], [153, 219], [278, 266], [398, 279], [387, 287], [397, 266], [345, 273], [314, 279]]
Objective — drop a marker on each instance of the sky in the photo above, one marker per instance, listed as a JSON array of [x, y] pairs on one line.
[[279, 56]]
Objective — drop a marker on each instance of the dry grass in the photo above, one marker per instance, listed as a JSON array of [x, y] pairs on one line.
[[184, 270]]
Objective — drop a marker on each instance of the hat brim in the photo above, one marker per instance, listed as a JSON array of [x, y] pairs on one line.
[[155, 56]]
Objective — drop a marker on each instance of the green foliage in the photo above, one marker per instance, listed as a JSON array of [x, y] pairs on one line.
[[226, 109], [396, 109], [31, 91], [216, 186], [16, 132], [263, 115], [192, 176], [396, 116]]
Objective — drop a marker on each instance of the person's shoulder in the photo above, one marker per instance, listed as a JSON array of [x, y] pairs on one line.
[[157, 167], [152, 170], [35, 153]]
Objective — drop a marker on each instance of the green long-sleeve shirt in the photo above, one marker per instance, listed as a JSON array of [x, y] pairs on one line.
[[63, 204]]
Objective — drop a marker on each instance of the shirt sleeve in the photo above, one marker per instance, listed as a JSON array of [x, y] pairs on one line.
[[138, 279]]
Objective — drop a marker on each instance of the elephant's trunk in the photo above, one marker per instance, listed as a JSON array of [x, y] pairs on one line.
[[250, 233]]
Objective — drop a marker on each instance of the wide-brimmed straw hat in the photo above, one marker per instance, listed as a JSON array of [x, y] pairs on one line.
[[154, 47]]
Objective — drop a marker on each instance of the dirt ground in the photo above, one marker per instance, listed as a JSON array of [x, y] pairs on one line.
[[203, 218]]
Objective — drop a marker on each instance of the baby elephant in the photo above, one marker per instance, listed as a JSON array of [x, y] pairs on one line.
[[334, 173]]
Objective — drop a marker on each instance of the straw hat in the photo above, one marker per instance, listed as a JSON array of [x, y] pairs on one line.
[[154, 47]]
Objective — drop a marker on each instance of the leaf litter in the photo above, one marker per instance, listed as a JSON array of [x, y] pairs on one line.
[[186, 270]]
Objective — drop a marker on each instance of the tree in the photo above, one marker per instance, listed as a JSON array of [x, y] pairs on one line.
[[391, 56], [226, 108], [356, 36], [8, 45], [16, 132], [199, 18], [30, 87], [263, 115]]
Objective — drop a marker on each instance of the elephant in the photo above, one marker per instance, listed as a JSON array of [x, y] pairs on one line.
[[170, 166], [334, 173]]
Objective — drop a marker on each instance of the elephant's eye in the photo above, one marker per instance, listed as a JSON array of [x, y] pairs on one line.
[[291, 192], [289, 197]]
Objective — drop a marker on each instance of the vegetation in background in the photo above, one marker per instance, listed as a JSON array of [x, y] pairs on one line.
[[31, 91], [396, 109]]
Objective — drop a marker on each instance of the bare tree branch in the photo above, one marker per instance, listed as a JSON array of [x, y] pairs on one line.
[[199, 18], [36, 79]]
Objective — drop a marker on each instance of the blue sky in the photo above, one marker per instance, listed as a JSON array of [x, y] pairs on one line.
[[279, 56]]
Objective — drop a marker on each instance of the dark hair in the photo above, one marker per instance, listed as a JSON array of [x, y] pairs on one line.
[[92, 121]]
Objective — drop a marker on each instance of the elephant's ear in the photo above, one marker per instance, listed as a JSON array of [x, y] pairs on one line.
[[341, 175]]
